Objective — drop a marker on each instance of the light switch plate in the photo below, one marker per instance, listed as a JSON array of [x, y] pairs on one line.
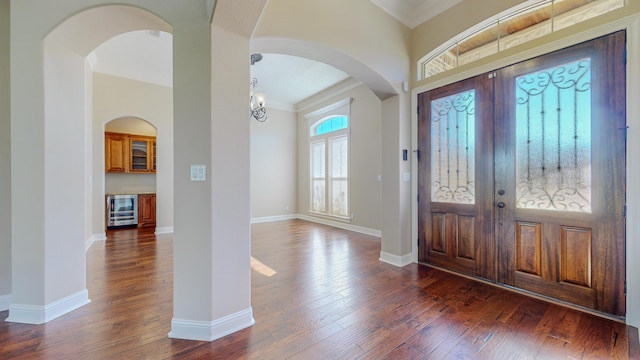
[[198, 172]]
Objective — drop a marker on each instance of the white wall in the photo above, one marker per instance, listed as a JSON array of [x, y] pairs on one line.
[[88, 159], [273, 165], [5, 161], [115, 98], [633, 174], [64, 171], [129, 183], [365, 152]]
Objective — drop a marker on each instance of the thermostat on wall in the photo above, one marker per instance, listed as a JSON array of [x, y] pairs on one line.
[[198, 172]]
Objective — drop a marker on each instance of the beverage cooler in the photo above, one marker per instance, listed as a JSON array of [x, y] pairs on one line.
[[122, 210]]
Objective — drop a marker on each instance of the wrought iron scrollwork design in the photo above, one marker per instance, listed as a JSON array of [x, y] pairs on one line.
[[553, 138], [452, 148]]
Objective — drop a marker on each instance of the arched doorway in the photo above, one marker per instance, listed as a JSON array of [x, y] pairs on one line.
[[60, 157], [130, 172], [395, 133]]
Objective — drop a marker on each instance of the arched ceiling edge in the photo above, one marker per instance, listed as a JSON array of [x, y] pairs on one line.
[[84, 31], [318, 52]]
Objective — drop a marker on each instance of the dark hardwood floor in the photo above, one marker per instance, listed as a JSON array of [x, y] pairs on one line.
[[317, 293]]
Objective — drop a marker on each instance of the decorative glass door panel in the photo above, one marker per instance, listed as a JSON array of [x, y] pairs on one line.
[[452, 148], [455, 176], [560, 174], [553, 138]]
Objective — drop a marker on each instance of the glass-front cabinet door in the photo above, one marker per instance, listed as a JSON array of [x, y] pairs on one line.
[[142, 155]]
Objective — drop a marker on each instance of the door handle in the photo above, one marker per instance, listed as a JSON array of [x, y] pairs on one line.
[[500, 204]]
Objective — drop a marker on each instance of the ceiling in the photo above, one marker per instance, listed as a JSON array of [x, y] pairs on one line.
[[145, 55], [287, 80], [414, 12]]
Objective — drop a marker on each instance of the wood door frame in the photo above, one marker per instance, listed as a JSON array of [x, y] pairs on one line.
[[417, 215], [632, 25]]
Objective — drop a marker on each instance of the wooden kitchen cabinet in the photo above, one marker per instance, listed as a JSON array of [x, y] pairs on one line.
[[127, 153], [141, 155], [116, 152], [146, 210]]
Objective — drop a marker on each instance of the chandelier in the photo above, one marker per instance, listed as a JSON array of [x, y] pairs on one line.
[[257, 100], [256, 103]]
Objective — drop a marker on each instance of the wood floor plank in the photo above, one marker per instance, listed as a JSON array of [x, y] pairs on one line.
[[327, 296]]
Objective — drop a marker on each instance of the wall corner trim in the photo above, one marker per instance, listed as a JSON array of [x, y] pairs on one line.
[[315, 219], [396, 260], [341, 225], [257, 220], [36, 315], [93, 238], [164, 230], [211, 330], [5, 302]]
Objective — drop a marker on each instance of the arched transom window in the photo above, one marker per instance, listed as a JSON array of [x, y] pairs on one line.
[[518, 25]]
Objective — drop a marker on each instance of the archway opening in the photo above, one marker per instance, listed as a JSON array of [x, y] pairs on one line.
[[130, 173], [70, 144]]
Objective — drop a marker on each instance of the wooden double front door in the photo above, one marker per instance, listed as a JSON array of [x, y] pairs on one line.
[[522, 175]]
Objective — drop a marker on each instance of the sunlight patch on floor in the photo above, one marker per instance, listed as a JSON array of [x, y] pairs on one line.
[[261, 268]]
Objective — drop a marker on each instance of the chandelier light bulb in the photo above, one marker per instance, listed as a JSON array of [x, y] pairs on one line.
[[261, 99]]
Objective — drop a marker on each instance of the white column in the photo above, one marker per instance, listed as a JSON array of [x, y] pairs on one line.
[[192, 269], [231, 184], [47, 169], [396, 182], [212, 295], [5, 161]]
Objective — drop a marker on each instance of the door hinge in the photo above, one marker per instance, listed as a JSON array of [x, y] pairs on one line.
[[417, 154], [418, 198], [624, 211], [625, 287], [624, 57], [625, 130]]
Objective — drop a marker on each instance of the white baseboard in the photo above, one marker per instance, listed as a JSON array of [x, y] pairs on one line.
[[341, 225], [211, 330], [257, 220], [5, 302], [34, 314], [93, 238], [396, 260], [164, 230]]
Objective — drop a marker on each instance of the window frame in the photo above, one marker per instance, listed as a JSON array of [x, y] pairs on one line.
[[495, 20], [315, 119]]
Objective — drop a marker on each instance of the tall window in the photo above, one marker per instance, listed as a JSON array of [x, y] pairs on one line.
[[329, 161]]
